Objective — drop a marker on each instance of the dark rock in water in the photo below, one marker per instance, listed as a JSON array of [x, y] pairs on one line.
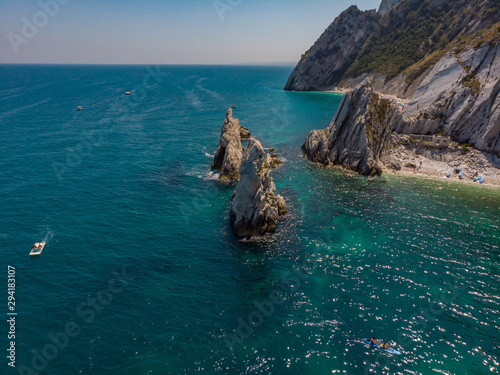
[[227, 158], [377, 179], [323, 66], [244, 133], [272, 160], [357, 134], [256, 206]]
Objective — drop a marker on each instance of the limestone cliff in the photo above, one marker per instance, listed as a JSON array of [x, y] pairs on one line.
[[325, 63], [256, 206], [460, 97], [357, 134], [227, 158]]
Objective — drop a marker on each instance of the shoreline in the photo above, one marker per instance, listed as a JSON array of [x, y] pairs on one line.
[[421, 174], [435, 162], [429, 175]]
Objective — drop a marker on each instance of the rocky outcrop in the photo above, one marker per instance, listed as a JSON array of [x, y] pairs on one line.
[[244, 133], [256, 207], [228, 156], [387, 5], [325, 63], [460, 97], [271, 161], [357, 134]]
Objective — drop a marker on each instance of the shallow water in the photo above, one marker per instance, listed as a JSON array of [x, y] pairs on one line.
[[124, 187]]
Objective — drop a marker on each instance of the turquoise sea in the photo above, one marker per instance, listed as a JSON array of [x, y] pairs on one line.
[[141, 273]]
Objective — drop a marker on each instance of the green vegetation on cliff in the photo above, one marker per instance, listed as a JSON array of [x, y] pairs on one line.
[[418, 33], [376, 127]]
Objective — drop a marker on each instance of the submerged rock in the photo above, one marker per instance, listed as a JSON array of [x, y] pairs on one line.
[[227, 158], [256, 206], [357, 134]]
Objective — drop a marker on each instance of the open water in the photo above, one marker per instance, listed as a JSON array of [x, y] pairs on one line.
[[142, 272]]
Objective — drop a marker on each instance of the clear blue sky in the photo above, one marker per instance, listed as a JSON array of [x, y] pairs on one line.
[[165, 31]]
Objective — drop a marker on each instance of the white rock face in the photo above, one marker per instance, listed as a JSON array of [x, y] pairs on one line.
[[444, 103], [227, 158], [256, 206]]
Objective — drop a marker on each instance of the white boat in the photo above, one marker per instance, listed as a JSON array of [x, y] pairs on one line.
[[37, 248]]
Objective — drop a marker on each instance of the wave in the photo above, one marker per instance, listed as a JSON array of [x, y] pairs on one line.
[[205, 175], [211, 176]]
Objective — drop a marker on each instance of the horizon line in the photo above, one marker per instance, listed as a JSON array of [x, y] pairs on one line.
[[147, 64]]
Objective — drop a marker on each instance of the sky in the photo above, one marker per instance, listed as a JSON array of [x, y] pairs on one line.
[[164, 31]]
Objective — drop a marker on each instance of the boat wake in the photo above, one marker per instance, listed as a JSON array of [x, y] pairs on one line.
[[48, 236]]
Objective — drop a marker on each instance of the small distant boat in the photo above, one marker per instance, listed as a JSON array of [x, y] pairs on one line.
[[79, 108], [37, 248], [127, 93], [233, 107]]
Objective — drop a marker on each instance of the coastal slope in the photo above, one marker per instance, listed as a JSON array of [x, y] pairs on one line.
[[325, 63], [441, 56], [460, 97]]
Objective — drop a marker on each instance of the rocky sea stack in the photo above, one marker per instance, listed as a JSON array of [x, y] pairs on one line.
[[256, 207], [227, 158]]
